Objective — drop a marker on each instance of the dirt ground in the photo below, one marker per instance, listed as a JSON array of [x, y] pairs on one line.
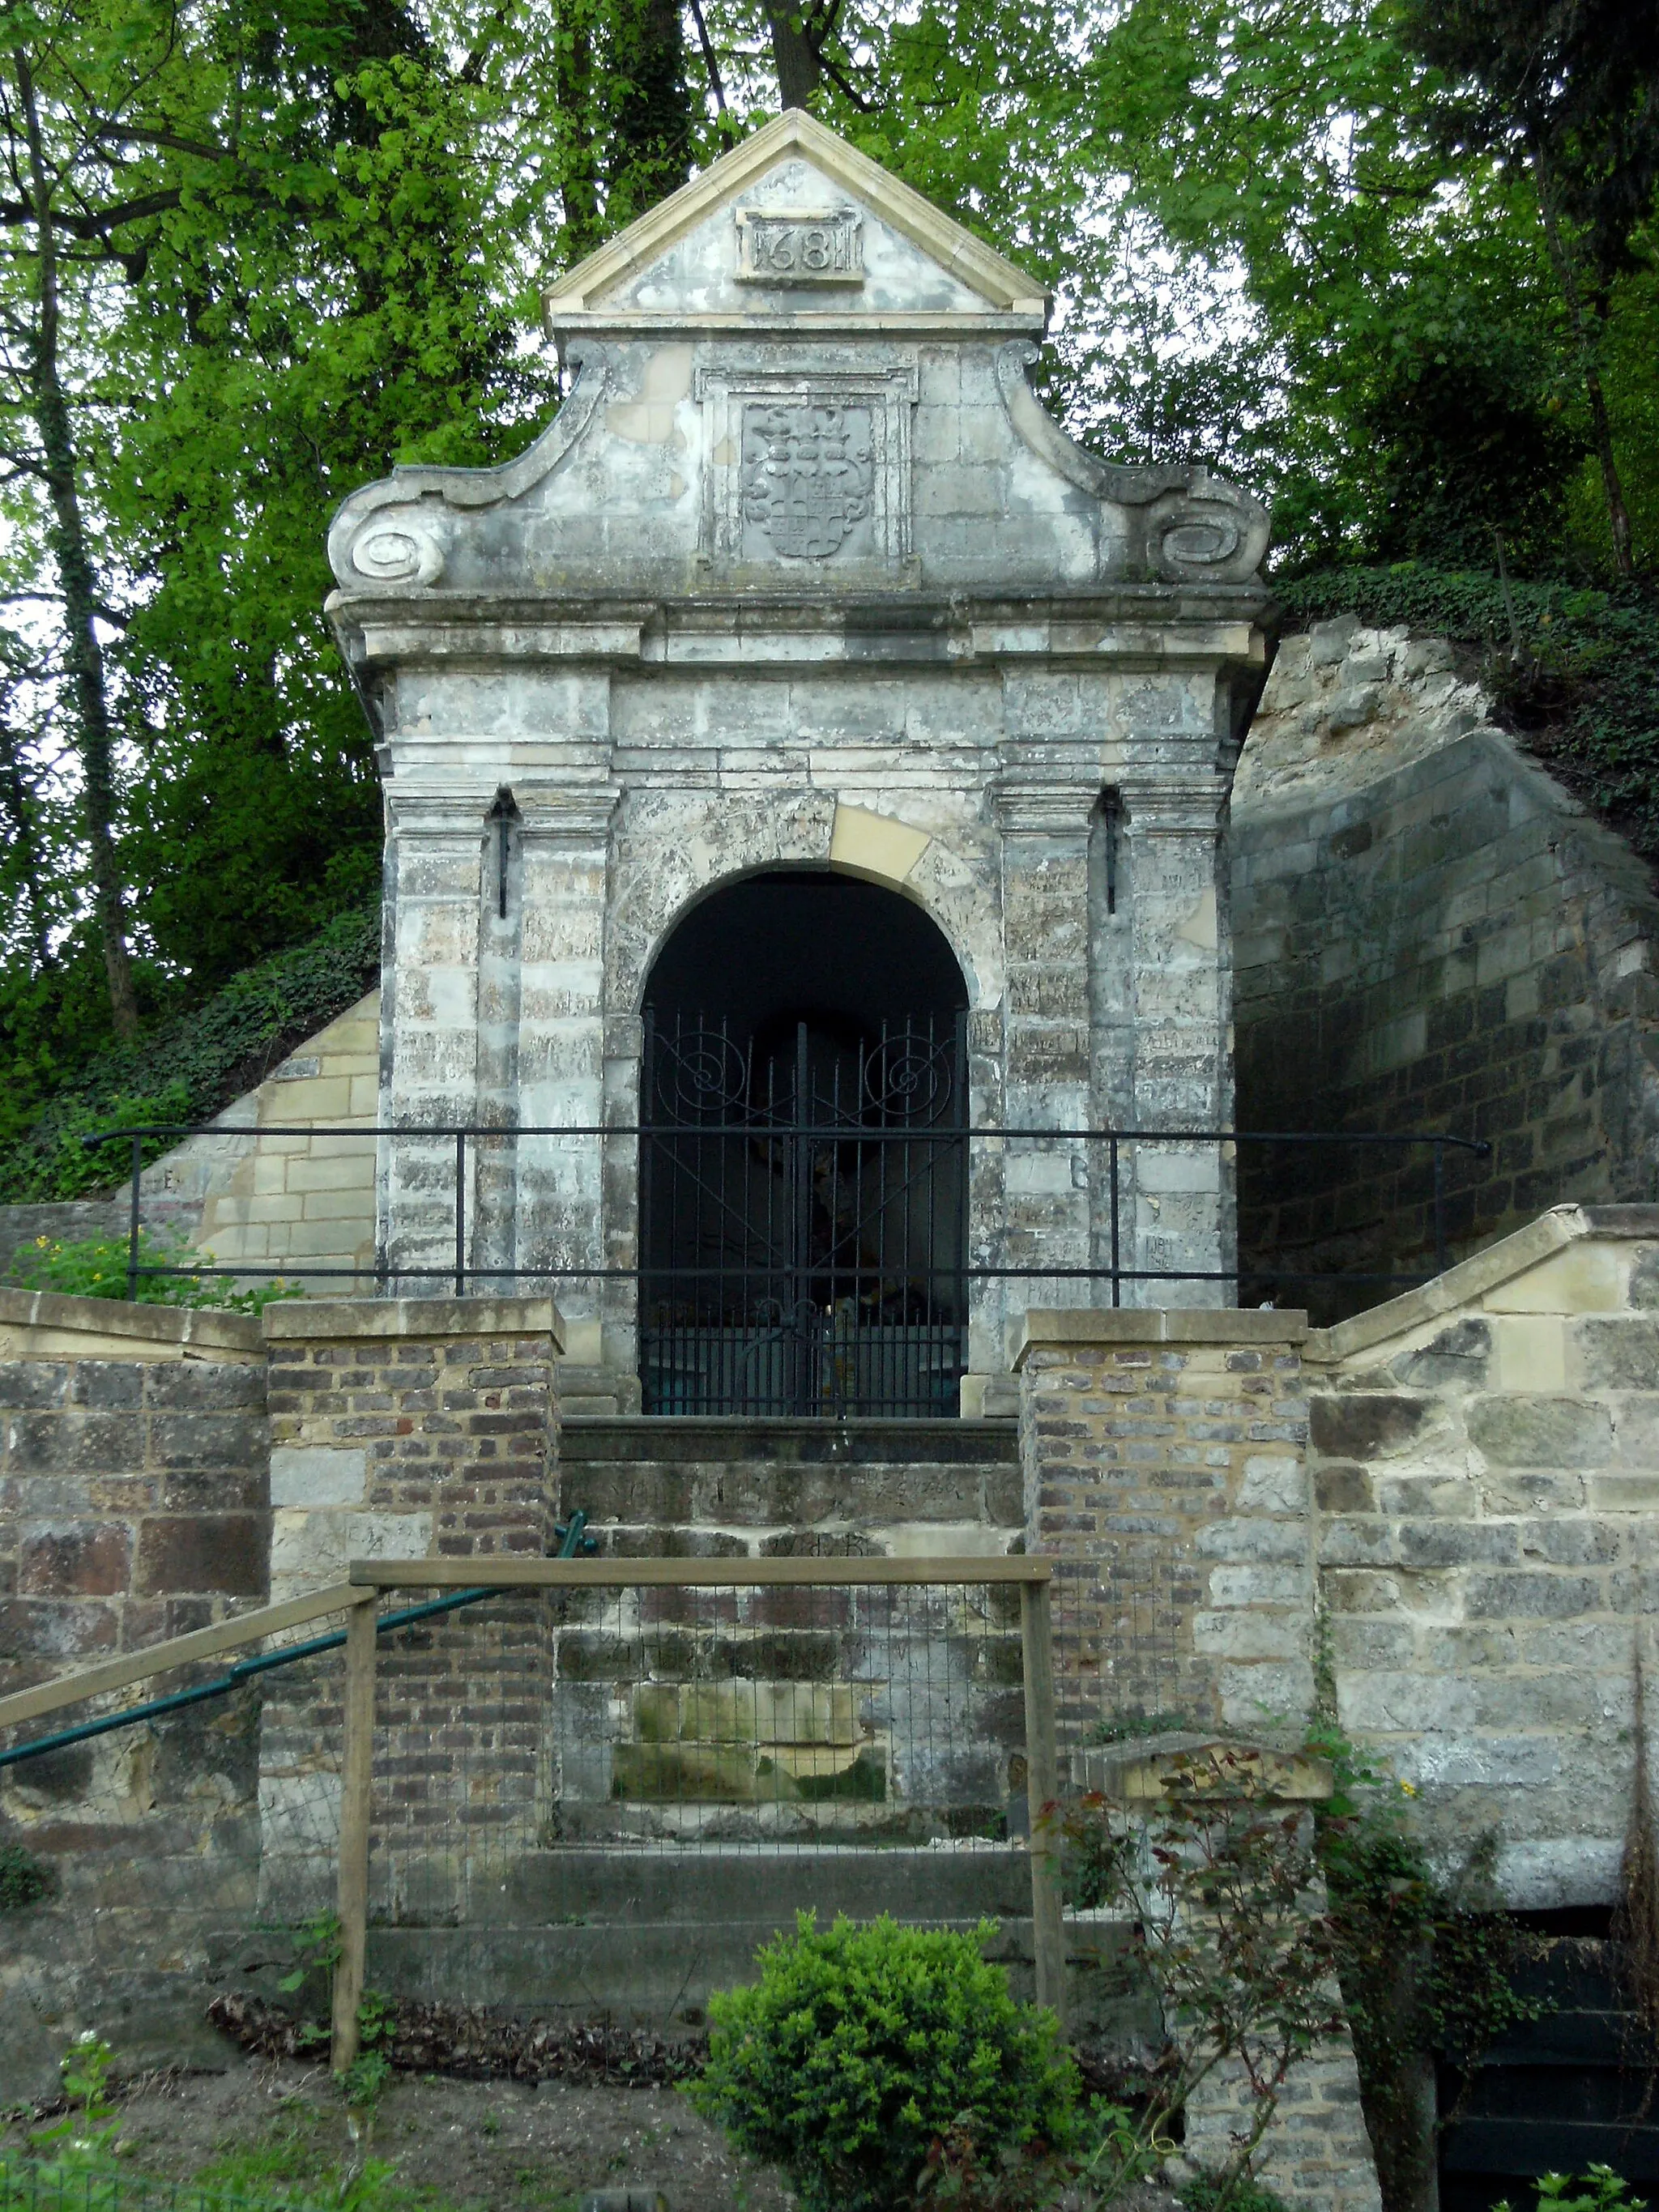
[[497, 2146]]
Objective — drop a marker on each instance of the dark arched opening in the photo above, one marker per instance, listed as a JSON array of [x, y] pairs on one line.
[[803, 1165]]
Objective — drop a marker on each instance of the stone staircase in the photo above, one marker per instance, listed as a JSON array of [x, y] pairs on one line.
[[732, 1772], [713, 1487]]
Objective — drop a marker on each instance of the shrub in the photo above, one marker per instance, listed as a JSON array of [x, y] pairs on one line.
[[1203, 2193], [1600, 2190], [96, 1267], [862, 2046]]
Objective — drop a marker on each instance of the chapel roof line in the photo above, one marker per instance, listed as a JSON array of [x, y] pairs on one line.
[[1006, 288]]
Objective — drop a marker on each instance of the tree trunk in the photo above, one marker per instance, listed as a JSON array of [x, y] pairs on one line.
[[795, 58], [654, 112], [83, 652], [578, 188], [18, 803], [1624, 559]]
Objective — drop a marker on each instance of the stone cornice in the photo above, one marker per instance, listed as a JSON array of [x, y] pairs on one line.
[[1126, 628], [1046, 805], [845, 330], [568, 812]]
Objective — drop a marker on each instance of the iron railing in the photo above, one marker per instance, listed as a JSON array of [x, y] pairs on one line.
[[1112, 1269]]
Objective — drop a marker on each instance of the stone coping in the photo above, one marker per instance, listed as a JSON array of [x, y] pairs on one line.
[[1179, 1767], [52, 1325], [1472, 1279], [333, 1320], [1065, 1328]]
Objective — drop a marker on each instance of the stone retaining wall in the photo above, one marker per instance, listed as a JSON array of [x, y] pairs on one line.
[[1485, 1457], [133, 1500], [1429, 932]]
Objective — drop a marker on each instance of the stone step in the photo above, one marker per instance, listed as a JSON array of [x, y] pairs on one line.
[[644, 1886], [640, 1481], [662, 1974], [665, 1438]]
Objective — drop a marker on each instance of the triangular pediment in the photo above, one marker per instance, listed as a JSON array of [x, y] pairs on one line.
[[794, 221]]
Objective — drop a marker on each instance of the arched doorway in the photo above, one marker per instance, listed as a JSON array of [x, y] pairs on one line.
[[803, 1165]]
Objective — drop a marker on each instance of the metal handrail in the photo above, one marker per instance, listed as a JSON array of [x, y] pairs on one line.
[[458, 1271]]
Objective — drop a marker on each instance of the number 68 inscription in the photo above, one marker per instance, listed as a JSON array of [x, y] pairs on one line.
[[798, 249]]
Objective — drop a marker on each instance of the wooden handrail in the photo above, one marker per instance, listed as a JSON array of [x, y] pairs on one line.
[[515, 1573], [177, 1651]]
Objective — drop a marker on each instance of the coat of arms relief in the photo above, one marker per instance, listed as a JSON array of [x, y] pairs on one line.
[[808, 476], [807, 465]]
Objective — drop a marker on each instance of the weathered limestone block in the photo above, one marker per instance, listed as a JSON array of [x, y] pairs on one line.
[[133, 1499], [1483, 1453]]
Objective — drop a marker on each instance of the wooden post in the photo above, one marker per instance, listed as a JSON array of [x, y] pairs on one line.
[[356, 1778], [1043, 1796]]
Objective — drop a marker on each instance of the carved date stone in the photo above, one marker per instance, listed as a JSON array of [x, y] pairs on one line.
[[795, 247]]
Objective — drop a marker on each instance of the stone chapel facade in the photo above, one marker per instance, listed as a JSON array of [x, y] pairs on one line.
[[803, 582]]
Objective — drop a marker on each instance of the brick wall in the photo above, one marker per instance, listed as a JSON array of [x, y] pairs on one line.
[[1162, 1458], [133, 1488], [1429, 933], [399, 1429], [1164, 1470]]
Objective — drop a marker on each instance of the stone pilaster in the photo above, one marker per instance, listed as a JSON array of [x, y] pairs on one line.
[[1179, 1205], [429, 1021], [1045, 822], [566, 845]]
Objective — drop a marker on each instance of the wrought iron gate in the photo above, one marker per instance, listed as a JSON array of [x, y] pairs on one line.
[[803, 1220]]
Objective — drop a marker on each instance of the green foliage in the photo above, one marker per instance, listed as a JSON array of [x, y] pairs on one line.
[[1574, 669], [1111, 2156], [187, 1068], [24, 1879], [862, 2044], [1424, 1965], [363, 2083], [1203, 2194], [85, 2135], [1600, 2190], [97, 1267], [1217, 1886]]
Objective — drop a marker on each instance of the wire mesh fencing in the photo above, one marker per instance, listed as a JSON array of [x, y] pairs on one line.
[[33, 2185], [590, 1793], [601, 1788]]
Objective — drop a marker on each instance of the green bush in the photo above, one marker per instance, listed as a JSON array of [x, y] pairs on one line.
[[1204, 2193], [1600, 2190], [96, 1267], [861, 2045]]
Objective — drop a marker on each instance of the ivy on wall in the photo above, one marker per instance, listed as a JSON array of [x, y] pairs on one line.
[[189, 1068]]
